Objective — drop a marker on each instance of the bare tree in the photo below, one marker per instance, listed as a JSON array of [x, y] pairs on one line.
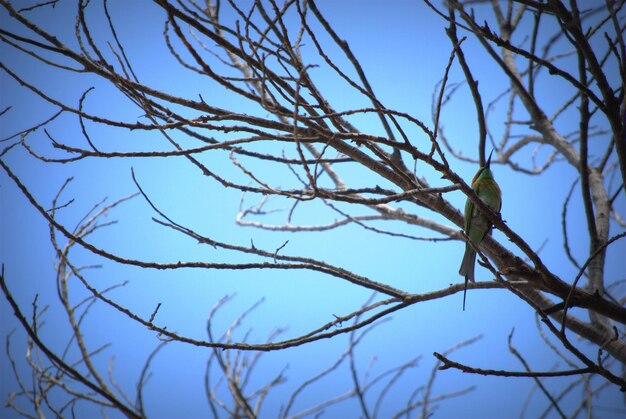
[[268, 57]]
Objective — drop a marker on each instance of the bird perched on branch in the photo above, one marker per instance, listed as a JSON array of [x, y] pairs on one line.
[[476, 225]]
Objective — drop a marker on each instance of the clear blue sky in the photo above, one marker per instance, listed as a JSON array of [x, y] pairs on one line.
[[404, 50]]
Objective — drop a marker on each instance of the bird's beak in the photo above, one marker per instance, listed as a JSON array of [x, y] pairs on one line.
[[489, 160]]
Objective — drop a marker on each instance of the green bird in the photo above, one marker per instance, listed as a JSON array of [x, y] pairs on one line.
[[477, 226]]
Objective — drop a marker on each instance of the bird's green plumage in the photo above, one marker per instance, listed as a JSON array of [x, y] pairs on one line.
[[476, 225]]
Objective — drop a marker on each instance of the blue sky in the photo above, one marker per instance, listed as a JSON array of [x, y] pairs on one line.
[[403, 50]]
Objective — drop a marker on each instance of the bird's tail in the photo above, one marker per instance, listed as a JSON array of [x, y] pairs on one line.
[[467, 265], [467, 268]]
